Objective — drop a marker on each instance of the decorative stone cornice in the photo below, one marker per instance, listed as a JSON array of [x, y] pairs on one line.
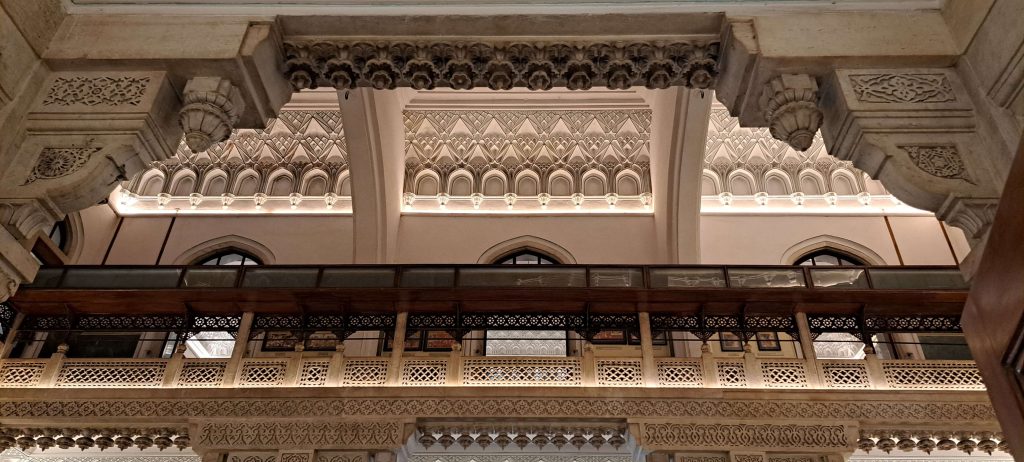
[[930, 440], [790, 104], [669, 436], [101, 438], [320, 434], [212, 106], [501, 66]]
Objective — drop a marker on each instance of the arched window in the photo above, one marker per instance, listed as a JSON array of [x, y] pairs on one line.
[[527, 257], [229, 257], [828, 257], [59, 235]]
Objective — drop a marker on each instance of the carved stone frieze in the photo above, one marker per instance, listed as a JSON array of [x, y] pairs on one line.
[[211, 109], [298, 152], [252, 457], [86, 438], [335, 456], [59, 162], [790, 104], [688, 458], [902, 88], [548, 457], [939, 161], [501, 66], [791, 459], [746, 161], [96, 91], [500, 407], [931, 440], [528, 153], [748, 458], [696, 435], [321, 434]]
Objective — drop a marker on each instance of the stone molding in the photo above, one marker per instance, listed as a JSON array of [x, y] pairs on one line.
[[698, 436], [109, 91], [177, 409], [319, 434], [501, 65]]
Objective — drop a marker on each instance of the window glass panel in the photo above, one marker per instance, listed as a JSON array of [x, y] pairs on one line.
[[686, 277], [229, 257], [917, 279], [358, 277], [944, 346], [118, 278], [527, 257], [616, 277], [828, 257], [765, 278], [210, 277], [428, 277], [551, 276], [280, 277], [839, 278], [826, 260]]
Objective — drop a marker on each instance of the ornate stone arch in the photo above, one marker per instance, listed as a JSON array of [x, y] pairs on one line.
[[231, 241], [823, 241], [523, 243], [75, 237]]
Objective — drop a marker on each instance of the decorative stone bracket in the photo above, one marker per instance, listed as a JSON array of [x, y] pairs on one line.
[[211, 110], [790, 104], [501, 66]]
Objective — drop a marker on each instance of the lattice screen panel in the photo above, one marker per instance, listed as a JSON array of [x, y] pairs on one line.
[[731, 373], [263, 372], [111, 373], [424, 371], [680, 373], [784, 374], [619, 373], [844, 374], [313, 372], [522, 371], [365, 372], [21, 374], [202, 373], [932, 375]]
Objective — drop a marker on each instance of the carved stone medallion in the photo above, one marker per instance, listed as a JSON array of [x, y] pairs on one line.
[[59, 162], [939, 161], [902, 88]]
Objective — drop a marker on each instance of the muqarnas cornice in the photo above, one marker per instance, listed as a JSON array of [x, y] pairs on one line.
[[501, 65]]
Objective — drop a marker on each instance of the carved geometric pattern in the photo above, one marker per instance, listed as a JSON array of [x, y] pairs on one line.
[[702, 459], [202, 373], [522, 371], [932, 375], [21, 373], [511, 457], [731, 373], [365, 372], [499, 407], [59, 162], [939, 161], [253, 458], [361, 434], [780, 373], [501, 66], [748, 458], [681, 435], [300, 151], [528, 152], [341, 457], [791, 459], [263, 372], [745, 161], [525, 343], [313, 373], [902, 88], [619, 372], [424, 371], [844, 374], [296, 456], [106, 373], [97, 91], [680, 373]]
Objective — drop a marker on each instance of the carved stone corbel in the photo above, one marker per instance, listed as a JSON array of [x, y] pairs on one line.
[[211, 110], [790, 104]]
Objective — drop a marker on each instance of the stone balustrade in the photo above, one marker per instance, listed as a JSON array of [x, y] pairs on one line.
[[326, 370]]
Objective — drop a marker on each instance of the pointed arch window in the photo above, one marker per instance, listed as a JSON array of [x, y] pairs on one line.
[[527, 257], [828, 257], [229, 257]]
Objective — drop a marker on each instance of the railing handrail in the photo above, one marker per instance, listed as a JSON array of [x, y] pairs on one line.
[[177, 276]]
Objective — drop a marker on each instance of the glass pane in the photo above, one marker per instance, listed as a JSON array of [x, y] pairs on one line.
[[826, 260], [839, 278], [527, 259], [538, 276], [231, 259], [838, 345], [358, 277], [616, 277], [944, 347], [46, 277], [920, 279], [122, 278], [428, 277], [525, 343], [686, 278], [210, 277], [280, 277], [765, 277]]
